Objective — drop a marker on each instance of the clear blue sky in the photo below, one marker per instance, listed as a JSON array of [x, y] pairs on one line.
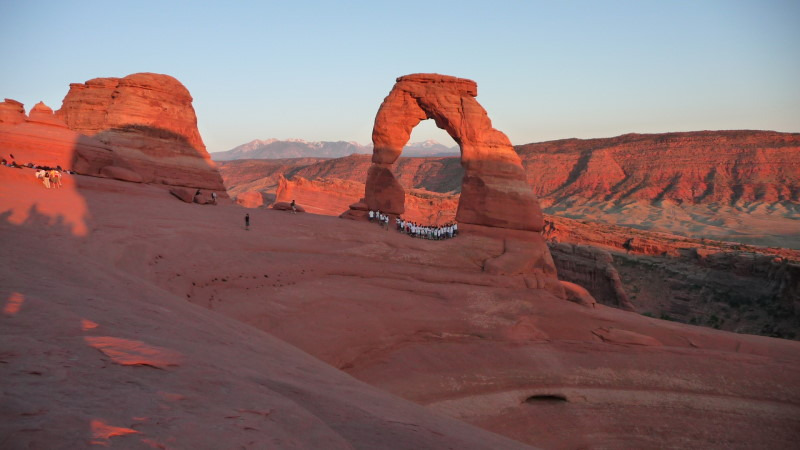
[[319, 70]]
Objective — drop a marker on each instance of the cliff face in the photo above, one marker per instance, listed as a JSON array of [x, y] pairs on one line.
[[696, 167]]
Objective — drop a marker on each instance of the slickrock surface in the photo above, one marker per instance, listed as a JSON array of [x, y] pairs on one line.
[[160, 282], [96, 351], [716, 284]]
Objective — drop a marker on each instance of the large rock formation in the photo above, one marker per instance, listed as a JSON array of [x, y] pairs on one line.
[[41, 138], [148, 121], [496, 201], [138, 128], [494, 190]]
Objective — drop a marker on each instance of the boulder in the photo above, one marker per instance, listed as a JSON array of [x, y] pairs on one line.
[[121, 173], [183, 193], [204, 198], [250, 199], [578, 294], [287, 206]]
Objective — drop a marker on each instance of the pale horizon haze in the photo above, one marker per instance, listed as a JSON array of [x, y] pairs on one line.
[[319, 70]]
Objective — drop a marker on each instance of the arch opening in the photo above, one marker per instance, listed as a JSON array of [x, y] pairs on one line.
[[429, 171]]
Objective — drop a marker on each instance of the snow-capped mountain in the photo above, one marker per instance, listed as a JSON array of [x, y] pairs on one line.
[[298, 148]]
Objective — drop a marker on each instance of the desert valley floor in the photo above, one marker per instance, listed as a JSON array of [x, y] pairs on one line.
[[132, 319]]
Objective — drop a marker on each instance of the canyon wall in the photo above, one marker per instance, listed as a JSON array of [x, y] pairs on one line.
[[694, 167]]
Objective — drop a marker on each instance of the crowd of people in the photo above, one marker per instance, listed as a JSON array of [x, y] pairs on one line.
[[413, 229], [49, 176]]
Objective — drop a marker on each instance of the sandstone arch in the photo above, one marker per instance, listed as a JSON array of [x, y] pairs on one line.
[[494, 190]]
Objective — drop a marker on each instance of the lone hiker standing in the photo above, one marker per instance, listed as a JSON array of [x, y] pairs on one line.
[[247, 221]]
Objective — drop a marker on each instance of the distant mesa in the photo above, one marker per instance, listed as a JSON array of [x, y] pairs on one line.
[[138, 128], [728, 167]]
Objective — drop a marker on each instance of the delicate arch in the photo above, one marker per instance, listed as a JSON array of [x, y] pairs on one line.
[[494, 190]]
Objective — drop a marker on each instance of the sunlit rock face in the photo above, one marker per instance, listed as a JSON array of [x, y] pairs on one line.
[[494, 190], [496, 201], [148, 121]]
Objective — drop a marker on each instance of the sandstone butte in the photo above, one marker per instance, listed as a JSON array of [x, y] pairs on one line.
[[138, 128], [309, 331]]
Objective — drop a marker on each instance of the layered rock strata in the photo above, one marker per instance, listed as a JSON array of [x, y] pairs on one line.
[[43, 139], [494, 190], [139, 128], [148, 121], [728, 167]]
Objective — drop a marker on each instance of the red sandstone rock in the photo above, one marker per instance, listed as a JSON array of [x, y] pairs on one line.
[[287, 206], [204, 198], [149, 123], [45, 140], [618, 336], [694, 167], [12, 112], [415, 318], [184, 194], [121, 173], [383, 192], [250, 199], [43, 114], [494, 190], [578, 294]]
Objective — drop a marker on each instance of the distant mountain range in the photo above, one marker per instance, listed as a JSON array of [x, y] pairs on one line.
[[298, 148]]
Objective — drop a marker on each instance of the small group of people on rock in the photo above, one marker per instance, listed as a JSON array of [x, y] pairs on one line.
[[13, 164], [49, 176], [435, 232], [382, 219]]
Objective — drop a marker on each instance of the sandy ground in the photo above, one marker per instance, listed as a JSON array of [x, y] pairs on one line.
[[131, 318]]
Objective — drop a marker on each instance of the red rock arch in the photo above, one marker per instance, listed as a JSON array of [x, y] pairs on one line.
[[494, 190]]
